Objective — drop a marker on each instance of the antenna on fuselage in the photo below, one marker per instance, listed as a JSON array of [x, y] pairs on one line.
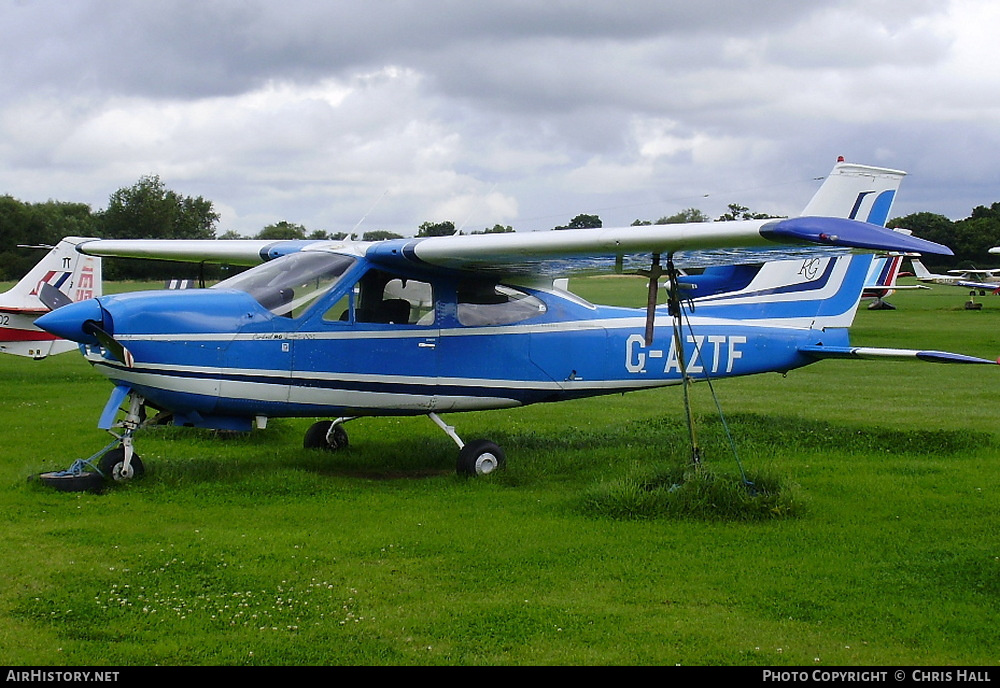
[[350, 235], [473, 212]]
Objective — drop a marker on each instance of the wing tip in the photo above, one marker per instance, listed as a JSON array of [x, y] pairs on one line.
[[837, 231]]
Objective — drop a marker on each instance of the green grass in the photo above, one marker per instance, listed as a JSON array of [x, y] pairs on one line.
[[881, 548]]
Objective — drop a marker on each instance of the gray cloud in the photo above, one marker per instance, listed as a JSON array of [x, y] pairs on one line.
[[523, 113]]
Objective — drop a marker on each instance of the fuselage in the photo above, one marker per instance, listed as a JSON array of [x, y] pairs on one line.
[[221, 357]]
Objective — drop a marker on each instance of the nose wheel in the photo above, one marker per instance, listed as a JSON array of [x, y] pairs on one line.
[[112, 465]]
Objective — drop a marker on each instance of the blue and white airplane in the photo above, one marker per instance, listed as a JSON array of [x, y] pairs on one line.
[[347, 329]]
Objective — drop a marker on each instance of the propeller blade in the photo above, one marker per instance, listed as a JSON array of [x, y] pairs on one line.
[[112, 345]]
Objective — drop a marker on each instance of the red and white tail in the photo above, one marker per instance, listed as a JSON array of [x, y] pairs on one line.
[[66, 275]]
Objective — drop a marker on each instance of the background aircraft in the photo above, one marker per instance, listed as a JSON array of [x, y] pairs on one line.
[[982, 280], [881, 281], [424, 326], [65, 275]]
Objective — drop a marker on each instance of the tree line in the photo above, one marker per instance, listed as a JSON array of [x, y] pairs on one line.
[[149, 210], [970, 238]]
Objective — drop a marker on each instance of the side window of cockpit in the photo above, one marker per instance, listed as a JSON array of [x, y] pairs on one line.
[[341, 310], [483, 305], [383, 298]]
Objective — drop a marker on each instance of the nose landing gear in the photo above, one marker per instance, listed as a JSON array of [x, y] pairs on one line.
[[115, 463]]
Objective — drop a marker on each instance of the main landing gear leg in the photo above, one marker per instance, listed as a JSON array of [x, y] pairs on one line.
[[478, 457]]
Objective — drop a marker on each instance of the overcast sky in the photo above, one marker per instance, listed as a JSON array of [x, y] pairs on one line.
[[481, 112]]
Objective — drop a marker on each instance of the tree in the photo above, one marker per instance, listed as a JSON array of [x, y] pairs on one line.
[[282, 230], [970, 239], [982, 212], [380, 235], [149, 210], [741, 212], [432, 229], [930, 226], [686, 215], [974, 237], [583, 222], [496, 229], [35, 224]]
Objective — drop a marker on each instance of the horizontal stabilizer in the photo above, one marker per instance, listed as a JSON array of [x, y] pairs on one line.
[[869, 352]]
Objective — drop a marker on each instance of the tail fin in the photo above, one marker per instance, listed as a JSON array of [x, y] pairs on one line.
[[919, 270], [815, 291], [74, 276], [856, 192], [882, 277]]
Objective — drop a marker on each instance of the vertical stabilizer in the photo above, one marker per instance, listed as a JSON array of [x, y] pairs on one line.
[[64, 273], [919, 270], [857, 192]]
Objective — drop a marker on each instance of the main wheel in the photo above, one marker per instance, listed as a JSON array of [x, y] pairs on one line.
[[112, 465], [319, 436], [480, 457]]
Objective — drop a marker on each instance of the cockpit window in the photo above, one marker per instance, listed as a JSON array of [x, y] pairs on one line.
[[384, 298], [288, 285], [495, 304]]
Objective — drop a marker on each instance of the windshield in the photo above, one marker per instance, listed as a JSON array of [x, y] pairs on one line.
[[288, 285]]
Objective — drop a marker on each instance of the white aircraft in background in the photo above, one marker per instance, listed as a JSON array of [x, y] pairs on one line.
[[64, 275], [983, 280]]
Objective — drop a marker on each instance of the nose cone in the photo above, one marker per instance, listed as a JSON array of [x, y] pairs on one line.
[[69, 321]]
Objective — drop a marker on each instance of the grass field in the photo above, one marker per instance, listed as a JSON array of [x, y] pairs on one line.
[[251, 550]]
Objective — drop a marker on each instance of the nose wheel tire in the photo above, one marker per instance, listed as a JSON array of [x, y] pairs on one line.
[[480, 457], [112, 465]]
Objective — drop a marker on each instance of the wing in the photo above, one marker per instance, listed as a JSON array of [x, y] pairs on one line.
[[984, 286], [532, 253]]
